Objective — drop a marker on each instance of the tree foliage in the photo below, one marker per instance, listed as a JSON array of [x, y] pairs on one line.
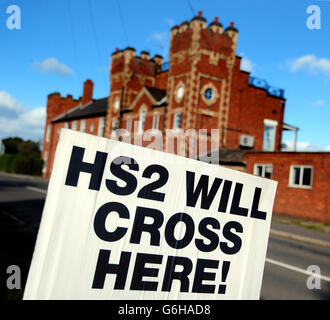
[[21, 156]]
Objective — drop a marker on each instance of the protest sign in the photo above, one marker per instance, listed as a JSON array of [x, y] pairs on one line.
[[125, 222]]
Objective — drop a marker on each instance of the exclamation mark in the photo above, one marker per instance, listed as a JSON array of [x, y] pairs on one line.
[[225, 269]]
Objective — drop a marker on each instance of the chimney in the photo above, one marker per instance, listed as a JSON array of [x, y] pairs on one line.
[[87, 92]]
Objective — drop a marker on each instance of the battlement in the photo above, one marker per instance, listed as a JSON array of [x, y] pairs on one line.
[[127, 61], [210, 37], [57, 104], [201, 23]]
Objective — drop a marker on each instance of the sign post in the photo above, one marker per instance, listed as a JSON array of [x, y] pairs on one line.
[[122, 222]]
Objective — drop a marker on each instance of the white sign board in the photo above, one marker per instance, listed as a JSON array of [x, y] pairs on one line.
[[125, 222]]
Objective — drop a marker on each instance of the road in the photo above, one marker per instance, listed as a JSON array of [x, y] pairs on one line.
[[285, 275]]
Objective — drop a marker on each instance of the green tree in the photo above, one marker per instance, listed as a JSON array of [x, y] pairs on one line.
[[11, 144]]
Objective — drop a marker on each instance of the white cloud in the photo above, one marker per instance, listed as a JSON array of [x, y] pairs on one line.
[[247, 64], [21, 122], [304, 147], [161, 42], [8, 102], [52, 65], [158, 36], [319, 102], [312, 64], [170, 22]]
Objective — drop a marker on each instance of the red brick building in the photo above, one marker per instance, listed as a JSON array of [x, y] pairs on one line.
[[304, 181], [201, 87]]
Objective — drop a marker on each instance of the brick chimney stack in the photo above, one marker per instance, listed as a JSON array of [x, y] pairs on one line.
[[87, 92]]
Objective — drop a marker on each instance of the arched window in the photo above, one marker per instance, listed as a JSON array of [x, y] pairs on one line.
[[177, 120], [155, 121], [142, 120]]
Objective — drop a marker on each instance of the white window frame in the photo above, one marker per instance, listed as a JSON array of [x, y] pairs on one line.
[[100, 130], [269, 123], [155, 122], [142, 120], [129, 123], [67, 125], [83, 125], [263, 170], [74, 125], [300, 185]]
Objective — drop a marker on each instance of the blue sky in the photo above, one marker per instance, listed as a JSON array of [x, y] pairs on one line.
[[61, 43]]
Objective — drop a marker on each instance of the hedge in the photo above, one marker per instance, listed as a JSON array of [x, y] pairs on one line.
[[20, 163]]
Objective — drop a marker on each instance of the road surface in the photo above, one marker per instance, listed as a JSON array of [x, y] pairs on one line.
[[285, 274]]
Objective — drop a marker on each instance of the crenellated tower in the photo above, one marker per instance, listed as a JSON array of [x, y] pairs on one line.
[[128, 75], [201, 61]]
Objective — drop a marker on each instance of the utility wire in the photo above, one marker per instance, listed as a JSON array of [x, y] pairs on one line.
[[74, 45], [91, 18], [191, 7], [122, 22]]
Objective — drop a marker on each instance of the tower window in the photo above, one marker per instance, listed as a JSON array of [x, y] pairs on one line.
[[208, 93], [142, 120], [177, 120], [155, 122], [180, 92], [117, 104], [114, 125], [129, 125]]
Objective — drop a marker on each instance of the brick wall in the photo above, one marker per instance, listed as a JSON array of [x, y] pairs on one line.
[[305, 202]]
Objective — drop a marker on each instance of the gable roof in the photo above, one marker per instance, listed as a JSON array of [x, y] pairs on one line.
[[92, 109], [157, 94]]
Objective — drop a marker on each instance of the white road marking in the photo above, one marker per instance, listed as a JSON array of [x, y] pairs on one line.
[[296, 269], [19, 221], [37, 189]]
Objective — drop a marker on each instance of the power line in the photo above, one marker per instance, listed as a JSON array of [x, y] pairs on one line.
[[74, 45], [122, 22], [191, 7], [91, 18]]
